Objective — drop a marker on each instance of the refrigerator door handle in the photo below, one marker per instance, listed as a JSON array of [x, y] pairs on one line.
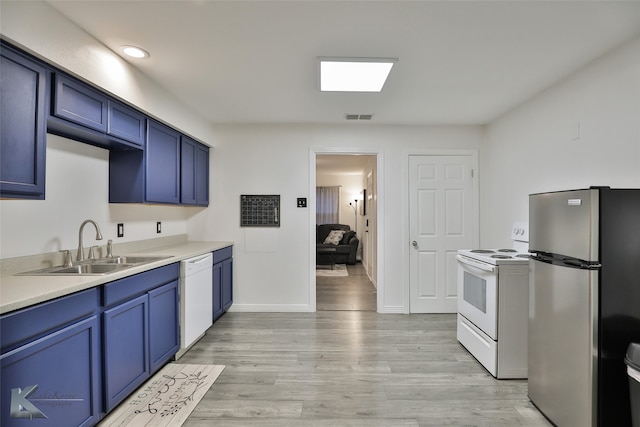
[[581, 264], [566, 262]]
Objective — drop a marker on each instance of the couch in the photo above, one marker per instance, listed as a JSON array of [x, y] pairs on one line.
[[345, 249]]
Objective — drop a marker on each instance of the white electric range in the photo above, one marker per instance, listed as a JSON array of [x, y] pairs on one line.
[[493, 295]]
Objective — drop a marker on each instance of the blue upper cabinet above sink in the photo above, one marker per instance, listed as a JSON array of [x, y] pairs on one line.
[[80, 104], [126, 123], [86, 114]]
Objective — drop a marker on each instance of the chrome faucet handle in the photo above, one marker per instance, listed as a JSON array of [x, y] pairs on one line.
[[67, 258], [109, 248], [92, 253]]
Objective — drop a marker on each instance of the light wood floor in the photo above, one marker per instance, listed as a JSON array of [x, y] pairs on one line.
[[354, 292], [350, 368]]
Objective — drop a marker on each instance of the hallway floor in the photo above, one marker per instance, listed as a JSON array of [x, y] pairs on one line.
[[355, 292]]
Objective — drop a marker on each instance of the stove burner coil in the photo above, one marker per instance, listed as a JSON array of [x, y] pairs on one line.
[[507, 250], [501, 256], [482, 251]]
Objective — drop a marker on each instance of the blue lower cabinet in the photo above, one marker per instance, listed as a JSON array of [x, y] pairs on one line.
[[140, 329], [164, 327], [55, 380], [222, 281], [227, 284], [126, 349], [217, 291]]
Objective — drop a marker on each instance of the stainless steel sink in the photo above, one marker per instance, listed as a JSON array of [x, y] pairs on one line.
[[96, 267], [90, 269], [128, 259]]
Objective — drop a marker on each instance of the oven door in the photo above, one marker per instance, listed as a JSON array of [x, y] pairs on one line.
[[478, 294]]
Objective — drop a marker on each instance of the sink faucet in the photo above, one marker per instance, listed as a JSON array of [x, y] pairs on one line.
[[80, 255]]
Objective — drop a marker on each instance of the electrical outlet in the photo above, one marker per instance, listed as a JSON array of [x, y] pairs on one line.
[[302, 202], [120, 230], [158, 227]]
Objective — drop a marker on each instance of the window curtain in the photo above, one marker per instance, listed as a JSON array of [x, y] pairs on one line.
[[327, 204]]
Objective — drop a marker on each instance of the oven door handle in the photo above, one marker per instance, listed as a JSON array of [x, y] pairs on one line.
[[472, 263]]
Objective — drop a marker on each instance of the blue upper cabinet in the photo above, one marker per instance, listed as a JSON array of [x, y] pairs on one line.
[[172, 169], [126, 123], [202, 175], [149, 161], [86, 114], [149, 176], [78, 103], [194, 179], [23, 84], [162, 164]]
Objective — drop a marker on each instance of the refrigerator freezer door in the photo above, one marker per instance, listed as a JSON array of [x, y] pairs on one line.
[[565, 223], [562, 339]]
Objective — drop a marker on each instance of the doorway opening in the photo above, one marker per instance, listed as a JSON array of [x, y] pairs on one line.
[[346, 283]]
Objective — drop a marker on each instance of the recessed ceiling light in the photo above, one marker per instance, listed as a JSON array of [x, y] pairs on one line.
[[135, 52], [354, 74]]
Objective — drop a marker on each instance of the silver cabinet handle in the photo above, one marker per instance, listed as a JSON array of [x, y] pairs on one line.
[[415, 244]]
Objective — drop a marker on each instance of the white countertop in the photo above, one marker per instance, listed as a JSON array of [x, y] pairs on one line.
[[22, 291]]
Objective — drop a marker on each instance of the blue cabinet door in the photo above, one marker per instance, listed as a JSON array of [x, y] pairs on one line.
[[54, 381], [79, 103], [162, 164], [222, 281], [194, 181], [188, 171], [202, 175], [125, 349], [227, 283], [126, 123], [164, 327], [217, 291], [23, 84]]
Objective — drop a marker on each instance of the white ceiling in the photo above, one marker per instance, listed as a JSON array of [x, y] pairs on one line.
[[459, 62]]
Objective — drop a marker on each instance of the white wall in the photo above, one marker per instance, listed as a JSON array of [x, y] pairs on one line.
[[534, 148], [274, 159], [77, 174]]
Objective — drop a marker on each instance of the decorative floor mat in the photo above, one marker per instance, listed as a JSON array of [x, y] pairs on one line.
[[339, 270], [167, 398]]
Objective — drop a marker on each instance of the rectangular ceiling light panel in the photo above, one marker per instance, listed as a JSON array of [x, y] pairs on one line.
[[354, 74]]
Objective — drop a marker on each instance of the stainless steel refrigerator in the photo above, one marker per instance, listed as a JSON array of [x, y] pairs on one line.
[[584, 303]]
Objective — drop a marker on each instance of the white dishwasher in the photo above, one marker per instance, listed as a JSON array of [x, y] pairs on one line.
[[196, 300]]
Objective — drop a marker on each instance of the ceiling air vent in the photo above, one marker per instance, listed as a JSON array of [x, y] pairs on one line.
[[358, 116]]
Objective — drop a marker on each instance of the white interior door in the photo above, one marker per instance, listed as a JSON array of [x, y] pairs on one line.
[[442, 208]]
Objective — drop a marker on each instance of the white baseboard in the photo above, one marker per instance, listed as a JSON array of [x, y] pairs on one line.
[[295, 308], [270, 308]]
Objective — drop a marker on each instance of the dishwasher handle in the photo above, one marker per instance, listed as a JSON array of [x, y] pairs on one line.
[[200, 260], [196, 264]]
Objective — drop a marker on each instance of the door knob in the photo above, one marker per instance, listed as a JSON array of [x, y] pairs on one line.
[[415, 244]]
